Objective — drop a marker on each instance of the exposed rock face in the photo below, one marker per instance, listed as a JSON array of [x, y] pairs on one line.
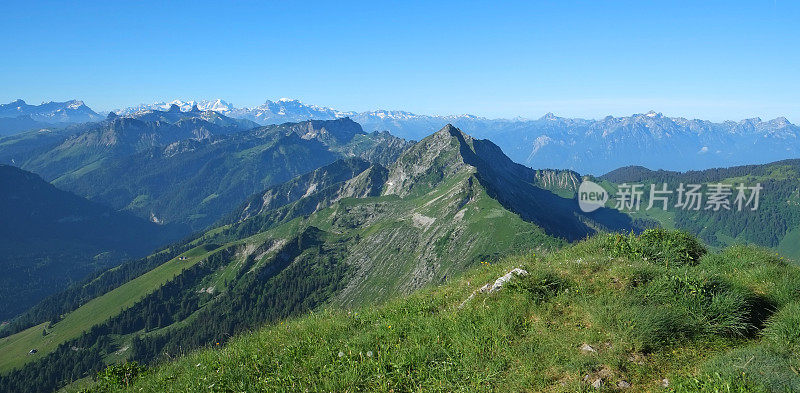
[[350, 177], [556, 179], [430, 161], [332, 132]]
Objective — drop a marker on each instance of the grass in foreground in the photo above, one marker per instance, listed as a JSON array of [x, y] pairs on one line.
[[620, 310]]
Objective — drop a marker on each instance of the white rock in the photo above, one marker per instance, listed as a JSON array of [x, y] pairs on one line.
[[500, 282], [497, 285]]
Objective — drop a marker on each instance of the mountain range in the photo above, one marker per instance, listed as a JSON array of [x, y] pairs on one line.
[[186, 168], [73, 111], [583, 145], [586, 146]]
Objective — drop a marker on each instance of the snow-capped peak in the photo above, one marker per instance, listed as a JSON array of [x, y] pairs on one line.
[[71, 111], [217, 105], [75, 104]]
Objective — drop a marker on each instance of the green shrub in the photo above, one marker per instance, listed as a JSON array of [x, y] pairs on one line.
[[119, 375], [658, 245]]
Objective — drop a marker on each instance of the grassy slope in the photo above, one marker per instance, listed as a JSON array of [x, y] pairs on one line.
[[492, 232], [14, 349], [646, 322]]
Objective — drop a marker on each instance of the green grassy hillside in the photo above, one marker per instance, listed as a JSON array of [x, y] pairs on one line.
[[15, 347], [649, 313]]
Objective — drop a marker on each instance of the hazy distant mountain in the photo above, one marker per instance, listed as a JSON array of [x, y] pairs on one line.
[[651, 139], [175, 113], [586, 146], [401, 123], [73, 111], [185, 106], [598, 146]]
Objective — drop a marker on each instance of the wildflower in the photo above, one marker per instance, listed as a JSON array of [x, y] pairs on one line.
[[369, 354], [341, 354]]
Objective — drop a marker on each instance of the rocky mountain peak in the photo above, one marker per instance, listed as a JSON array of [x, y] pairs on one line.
[[780, 122], [549, 116], [432, 160], [330, 132]]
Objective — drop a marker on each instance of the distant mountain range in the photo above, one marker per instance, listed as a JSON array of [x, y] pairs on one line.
[[400, 123], [187, 168], [73, 111], [587, 146], [271, 112]]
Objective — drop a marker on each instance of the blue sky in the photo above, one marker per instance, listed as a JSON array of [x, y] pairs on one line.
[[705, 59]]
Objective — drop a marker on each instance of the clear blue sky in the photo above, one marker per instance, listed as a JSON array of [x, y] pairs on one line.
[[707, 59]]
